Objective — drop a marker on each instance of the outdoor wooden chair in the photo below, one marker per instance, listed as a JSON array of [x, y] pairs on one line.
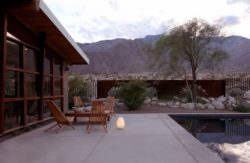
[[78, 101], [97, 116], [60, 118], [110, 105]]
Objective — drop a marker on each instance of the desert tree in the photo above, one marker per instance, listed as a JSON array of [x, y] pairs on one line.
[[186, 49]]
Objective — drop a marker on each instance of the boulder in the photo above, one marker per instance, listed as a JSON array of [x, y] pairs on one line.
[[246, 95], [147, 100], [221, 99], [205, 100], [211, 99], [218, 105], [231, 100], [229, 107], [209, 107], [153, 102], [161, 104], [154, 99], [189, 106], [200, 106]]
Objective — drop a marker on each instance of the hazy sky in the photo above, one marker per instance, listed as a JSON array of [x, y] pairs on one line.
[[95, 20]]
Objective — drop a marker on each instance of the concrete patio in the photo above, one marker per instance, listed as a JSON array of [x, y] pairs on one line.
[[147, 138]]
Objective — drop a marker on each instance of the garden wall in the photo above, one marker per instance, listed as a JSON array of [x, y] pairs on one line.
[[214, 88]]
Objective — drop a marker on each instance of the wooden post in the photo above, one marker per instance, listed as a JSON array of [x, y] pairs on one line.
[[41, 58], [3, 38]]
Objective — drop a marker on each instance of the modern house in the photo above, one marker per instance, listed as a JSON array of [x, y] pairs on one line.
[[35, 52]]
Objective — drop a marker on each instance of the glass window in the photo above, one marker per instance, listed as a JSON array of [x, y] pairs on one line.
[[57, 67], [45, 110], [58, 102], [58, 86], [31, 82], [13, 58], [47, 66], [13, 114], [12, 84], [30, 58], [32, 111], [47, 86]]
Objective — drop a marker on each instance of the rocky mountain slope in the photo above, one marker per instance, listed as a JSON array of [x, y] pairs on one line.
[[130, 56]]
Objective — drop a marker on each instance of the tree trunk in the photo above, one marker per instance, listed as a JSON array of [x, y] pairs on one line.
[[194, 88]]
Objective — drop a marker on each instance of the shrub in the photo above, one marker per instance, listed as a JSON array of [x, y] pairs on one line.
[[235, 92], [114, 91], [133, 93], [77, 87], [244, 108], [151, 92]]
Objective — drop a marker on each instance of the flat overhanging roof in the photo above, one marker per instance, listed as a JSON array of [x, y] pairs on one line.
[[36, 16]]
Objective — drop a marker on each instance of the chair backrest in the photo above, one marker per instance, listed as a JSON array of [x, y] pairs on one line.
[[110, 103], [98, 112], [78, 101], [56, 112]]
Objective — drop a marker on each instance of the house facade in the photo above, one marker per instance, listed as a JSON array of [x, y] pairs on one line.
[[35, 52]]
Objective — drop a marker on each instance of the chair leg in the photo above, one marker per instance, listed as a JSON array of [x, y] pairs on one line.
[[50, 127]]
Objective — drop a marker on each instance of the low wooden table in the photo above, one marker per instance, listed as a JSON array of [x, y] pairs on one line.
[[76, 114]]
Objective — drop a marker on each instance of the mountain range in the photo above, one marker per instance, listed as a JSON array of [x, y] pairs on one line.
[[130, 56]]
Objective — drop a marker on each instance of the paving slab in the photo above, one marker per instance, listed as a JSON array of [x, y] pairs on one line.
[[147, 138]]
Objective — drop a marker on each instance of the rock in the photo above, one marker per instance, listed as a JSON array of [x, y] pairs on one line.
[[209, 107], [232, 153], [153, 102], [205, 100], [177, 103], [154, 99], [229, 107], [161, 104], [231, 100], [189, 106], [221, 99], [211, 99], [200, 106], [246, 95], [218, 105], [147, 100]]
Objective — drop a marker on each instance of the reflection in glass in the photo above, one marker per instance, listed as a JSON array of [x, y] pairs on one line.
[[31, 82], [47, 67], [45, 110], [12, 114], [58, 86], [58, 102], [32, 111], [57, 67], [13, 57], [12, 84], [30, 58], [47, 86]]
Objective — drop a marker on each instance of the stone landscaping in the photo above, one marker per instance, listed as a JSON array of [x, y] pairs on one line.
[[204, 103]]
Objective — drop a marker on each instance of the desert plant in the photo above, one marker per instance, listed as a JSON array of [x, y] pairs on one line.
[[133, 93], [151, 92], [114, 92], [77, 87], [244, 108], [235, 92]]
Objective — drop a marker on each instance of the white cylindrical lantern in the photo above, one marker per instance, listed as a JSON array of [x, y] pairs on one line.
[[120, 123]]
